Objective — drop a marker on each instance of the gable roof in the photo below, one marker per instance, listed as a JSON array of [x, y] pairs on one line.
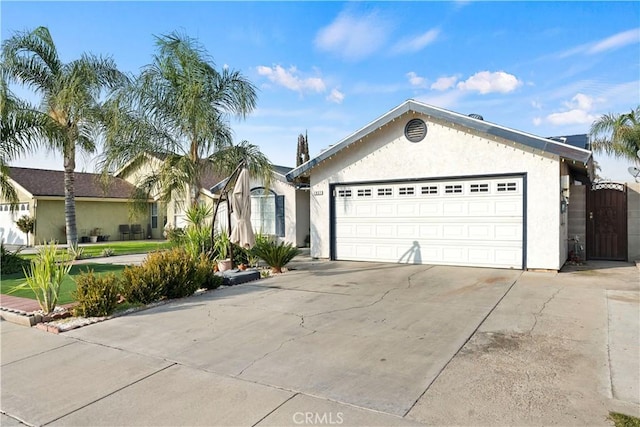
[[209, 178], [44, 182], [536, 142]]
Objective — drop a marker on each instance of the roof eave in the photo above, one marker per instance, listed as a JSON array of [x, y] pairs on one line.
[[489, 128]]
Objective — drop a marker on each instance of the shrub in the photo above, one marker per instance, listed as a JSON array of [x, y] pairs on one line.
[[11, 262], [240, 255], [170, 274], [174, 234], [140, 285], [96, 295], [276, 255], [45, 277], [205, 273]]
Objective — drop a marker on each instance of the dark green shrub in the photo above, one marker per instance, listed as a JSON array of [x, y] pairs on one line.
[[170, 274], [142, 285], [174, 234], [240, 255], [276, 255], [96, 295], [205, 273], [11, 262]]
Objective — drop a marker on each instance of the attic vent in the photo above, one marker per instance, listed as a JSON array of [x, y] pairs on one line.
[[415, 130], [476, 116]]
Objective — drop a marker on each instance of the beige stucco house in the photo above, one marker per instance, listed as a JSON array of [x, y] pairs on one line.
[[280, 208], [100, 210]]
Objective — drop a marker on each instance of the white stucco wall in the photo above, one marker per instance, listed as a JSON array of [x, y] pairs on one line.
[[386, 154]]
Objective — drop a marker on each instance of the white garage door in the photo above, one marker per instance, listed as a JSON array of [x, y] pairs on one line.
[[9, 232], [471, 222]]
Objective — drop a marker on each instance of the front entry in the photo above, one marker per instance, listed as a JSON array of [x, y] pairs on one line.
[[607, 221]]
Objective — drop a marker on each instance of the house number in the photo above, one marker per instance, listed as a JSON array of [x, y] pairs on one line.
[[318, 193]]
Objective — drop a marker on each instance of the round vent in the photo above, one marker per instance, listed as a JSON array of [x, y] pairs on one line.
[[476, 116], [415, 130]]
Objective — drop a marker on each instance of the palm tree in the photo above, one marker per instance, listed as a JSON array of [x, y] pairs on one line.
[[617, 134], [20, 129], [70, 96], [178, 108]]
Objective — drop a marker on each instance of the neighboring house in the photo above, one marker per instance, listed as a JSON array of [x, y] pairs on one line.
[[41, 194], [425, 185], [281, 209]]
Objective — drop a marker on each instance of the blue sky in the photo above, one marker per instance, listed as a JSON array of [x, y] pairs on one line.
[[329, 68]]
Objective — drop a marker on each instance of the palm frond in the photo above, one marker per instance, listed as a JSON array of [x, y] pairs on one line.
[[617, 134]]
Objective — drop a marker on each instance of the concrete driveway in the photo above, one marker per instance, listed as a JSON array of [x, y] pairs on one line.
[[338, 343]]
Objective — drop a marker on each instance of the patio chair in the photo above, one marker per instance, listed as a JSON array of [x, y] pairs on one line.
[[124, 229], [135, 230]]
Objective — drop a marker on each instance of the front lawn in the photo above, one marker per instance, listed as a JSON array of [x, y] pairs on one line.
[[126, 247], [10, 281]]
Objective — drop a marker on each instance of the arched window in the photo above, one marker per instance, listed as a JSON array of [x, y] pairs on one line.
[[267, 212]]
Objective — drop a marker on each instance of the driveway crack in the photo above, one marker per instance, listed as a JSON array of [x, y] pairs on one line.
[[539, 313], [273, 351]]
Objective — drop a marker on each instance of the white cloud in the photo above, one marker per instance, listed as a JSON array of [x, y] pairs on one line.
[[537, 121], [537, 105], [416, 43], [444, 83], [575, 116], [616, 41], [580, 101], [290, 79], [353, 37], [415, 79], [578, 111], [336, 96], [487, 82], [613, 42]]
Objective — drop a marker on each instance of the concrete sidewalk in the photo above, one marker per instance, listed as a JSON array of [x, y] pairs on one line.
[[340, 343]]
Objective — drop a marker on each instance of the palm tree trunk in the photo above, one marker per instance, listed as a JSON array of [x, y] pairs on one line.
[[69, 196]]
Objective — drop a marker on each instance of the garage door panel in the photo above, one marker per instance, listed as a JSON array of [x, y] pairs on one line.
[[509, 207], [474, 221], [451, 231], [431, 209], [408, 209], [385, 209], [455, 208], [481, 231]]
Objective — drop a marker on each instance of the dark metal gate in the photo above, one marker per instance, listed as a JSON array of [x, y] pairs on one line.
[[607, 221]]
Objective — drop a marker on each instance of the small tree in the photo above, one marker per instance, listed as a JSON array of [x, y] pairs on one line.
[[26, 224]]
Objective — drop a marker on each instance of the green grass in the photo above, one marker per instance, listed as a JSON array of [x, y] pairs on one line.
[[622, 420], [126, 247], [10, 281]]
